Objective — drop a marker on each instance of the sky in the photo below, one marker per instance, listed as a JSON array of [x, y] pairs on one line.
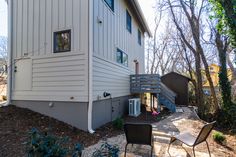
[[3, 18], [148, 9], [146, 5]]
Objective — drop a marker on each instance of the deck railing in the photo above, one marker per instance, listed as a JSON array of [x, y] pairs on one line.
[[145, 83]]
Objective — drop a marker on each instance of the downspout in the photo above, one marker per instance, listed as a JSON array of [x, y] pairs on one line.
[[9, 51], [90, 67]]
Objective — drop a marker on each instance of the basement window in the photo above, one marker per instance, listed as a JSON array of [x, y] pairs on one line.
[[110, 4], [62, 41], [121, 57]]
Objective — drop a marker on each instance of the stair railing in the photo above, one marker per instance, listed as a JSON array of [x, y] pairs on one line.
[[168, 93]]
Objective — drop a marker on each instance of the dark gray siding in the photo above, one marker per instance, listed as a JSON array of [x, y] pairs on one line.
[[102, 110]]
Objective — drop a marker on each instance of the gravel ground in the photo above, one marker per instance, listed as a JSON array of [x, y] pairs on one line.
[[174, 124]]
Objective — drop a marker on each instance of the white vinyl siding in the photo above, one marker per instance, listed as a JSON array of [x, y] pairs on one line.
[[109, 77], [110, 33], [54, 77]]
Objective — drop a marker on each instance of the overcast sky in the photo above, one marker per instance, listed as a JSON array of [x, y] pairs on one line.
[[146, 5]]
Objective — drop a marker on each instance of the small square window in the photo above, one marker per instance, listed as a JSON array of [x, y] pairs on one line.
[[128, 22], [62, 41], [139, 37], [121, 57], [110, 3]]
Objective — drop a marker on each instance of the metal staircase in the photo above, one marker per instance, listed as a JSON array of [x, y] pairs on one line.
[[151, 83]]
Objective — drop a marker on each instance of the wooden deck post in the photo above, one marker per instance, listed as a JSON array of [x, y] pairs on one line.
[[158, 103], [151, 100]]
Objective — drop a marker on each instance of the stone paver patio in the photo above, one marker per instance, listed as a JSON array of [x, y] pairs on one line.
[[186, 121]]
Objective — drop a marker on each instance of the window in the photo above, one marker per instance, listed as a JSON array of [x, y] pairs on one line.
[[125, 59], [121, 57], [110, 3], [139, 37], [62, 41], [128, 22]]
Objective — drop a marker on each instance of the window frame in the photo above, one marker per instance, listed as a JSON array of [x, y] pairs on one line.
[[128, 22], [54, 41], [122, 54], [110, 6], [139, 37]]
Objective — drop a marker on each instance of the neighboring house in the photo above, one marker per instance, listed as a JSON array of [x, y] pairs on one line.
[[72, 59], [179, 85], [214, 72]]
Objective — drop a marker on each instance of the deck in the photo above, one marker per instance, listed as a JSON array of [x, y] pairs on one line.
[[151, 83], [145, 83]]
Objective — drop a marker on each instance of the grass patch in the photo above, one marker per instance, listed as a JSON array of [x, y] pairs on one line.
[[219, 137]]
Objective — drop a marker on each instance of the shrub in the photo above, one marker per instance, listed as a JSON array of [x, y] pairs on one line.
[[107, 150], [44, 144], [78, 150], [219, 137], [118, 123]]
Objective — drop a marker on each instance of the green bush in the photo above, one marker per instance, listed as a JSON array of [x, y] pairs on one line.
[[48, 145], [107, 150], [219, 137], [118, 123]]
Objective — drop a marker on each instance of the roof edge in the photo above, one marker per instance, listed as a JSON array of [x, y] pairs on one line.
[[177, 74], [141, 17]]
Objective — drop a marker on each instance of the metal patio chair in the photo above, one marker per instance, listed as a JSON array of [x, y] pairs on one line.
[[138, 134], [191, 140]]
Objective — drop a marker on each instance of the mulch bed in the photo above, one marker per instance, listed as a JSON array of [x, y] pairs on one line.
[[15, 124]]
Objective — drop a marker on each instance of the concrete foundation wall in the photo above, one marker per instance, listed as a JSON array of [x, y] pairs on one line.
[[76, 114], [71, 113], [105, 111]]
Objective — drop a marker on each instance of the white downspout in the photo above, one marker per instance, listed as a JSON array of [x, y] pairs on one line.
[[9, 51], [90, 67]]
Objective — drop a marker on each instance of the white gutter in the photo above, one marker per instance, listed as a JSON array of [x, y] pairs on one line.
[[90, 67], [9, 50]]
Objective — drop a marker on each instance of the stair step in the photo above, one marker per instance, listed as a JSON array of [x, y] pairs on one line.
[[162, 134]]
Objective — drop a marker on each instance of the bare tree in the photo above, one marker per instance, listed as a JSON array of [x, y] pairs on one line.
[[189, 15], [3, 64], [162, 50]]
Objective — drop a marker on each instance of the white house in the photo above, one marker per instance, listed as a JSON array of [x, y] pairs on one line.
[[72, 59]]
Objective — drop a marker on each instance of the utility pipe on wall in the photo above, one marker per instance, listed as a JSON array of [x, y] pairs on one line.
[[90, 67], [9, 50]]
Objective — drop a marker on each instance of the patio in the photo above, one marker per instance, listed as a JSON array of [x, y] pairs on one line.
[[176, 123]]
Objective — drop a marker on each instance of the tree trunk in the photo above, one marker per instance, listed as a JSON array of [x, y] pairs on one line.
[[195, 28], [223, 77], [212, 88], [199, 91], [231, 66]]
